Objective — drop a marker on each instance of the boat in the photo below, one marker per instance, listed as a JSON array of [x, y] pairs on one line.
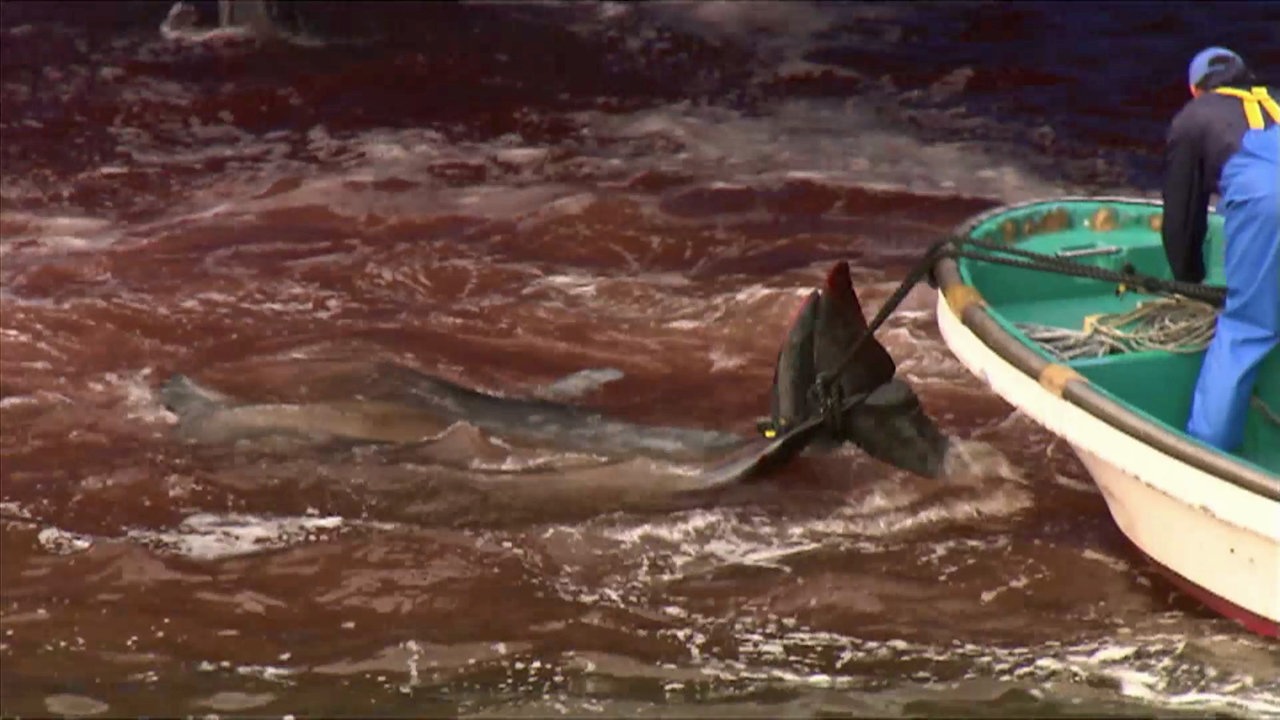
[[1210, 520]]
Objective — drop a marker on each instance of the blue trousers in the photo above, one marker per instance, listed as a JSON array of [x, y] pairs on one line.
[[1249, 325]]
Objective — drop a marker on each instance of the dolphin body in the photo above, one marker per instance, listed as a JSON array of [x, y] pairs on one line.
[[403, 406]]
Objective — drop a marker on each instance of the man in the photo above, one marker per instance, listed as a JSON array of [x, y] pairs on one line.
[[1227, 140]]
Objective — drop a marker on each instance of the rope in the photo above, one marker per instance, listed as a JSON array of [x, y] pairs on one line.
[[1266, 410], [1172, 324], [1213, 294]]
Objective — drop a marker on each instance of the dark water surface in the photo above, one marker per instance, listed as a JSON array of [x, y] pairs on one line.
[[502, 195]]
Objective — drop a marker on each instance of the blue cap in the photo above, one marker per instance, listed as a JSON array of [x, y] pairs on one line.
[[1200, 63]]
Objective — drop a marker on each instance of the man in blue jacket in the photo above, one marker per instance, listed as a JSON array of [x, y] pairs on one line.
[[1227, 140]]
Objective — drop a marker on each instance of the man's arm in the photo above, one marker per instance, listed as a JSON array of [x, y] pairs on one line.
[[1186, 203]]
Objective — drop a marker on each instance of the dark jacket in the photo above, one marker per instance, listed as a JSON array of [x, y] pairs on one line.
[[1202, 138]]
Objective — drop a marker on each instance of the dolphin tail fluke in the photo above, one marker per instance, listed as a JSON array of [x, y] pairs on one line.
[[185, 398], [785, 444], [889, 424], [794, 374]]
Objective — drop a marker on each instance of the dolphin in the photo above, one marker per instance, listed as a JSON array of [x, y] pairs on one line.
[[433, 416], [399, 405]]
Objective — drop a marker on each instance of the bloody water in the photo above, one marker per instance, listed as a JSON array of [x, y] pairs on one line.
[[502, 195]]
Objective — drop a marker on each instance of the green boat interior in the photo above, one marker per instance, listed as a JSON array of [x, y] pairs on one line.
[[1112, 235]]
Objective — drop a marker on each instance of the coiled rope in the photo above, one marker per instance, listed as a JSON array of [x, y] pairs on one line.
[[1173, 324]]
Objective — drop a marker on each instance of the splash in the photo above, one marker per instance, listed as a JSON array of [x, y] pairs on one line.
[[208, 536]]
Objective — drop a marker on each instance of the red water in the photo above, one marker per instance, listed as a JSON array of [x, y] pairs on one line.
[[501, 215]]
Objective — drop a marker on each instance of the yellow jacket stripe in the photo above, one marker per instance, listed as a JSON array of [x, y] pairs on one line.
[[1255, 101]]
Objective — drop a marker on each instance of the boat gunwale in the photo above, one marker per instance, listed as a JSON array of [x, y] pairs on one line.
[[1077, 390]]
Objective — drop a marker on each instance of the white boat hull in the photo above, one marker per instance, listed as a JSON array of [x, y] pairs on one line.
[[1218, 540]]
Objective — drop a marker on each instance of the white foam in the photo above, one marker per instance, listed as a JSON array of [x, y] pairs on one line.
[[1150, 670], [11, 509], [137, 395], [754, 293], [1111, 562], [13, 401], [208, 536], [686, 324], [1267, 706], [833, 142], [74, 705], [570, 283], [779, 23], [62, 542], [1083, 486], [557, 461], [270, 673], [794, 68], [1113, 654], [842, 143], [722, 360], [676, 529]]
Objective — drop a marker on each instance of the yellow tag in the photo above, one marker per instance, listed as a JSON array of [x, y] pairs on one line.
[[770, 433]]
